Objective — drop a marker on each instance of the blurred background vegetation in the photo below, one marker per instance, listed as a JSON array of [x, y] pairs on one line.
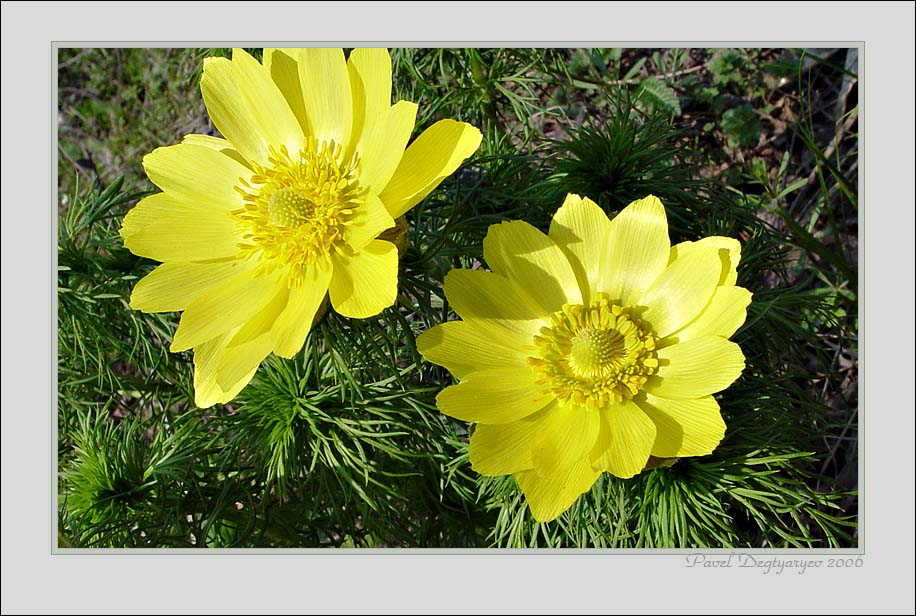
[[343, 445]]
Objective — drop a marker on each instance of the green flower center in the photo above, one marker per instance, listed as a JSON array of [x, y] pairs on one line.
[[287, 207], [595, 355], [297, 209], [595, 351]]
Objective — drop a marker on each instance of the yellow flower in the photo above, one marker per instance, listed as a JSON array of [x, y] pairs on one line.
[[589, 349], [255, 229]]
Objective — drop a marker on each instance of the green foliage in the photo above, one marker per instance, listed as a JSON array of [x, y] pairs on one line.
[[108, 354], [371, 460], [342, 445], [497, 90], [606, 73], [620, 161], [128, 484], [741, 126], [114, 103], [729, 68], [658, 96]]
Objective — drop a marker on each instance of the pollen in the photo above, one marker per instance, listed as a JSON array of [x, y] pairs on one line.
[[595, 355], [297, 209]]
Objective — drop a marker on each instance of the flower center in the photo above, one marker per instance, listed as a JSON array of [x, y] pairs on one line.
[[595, 355], [297, 209], [287, 207], [595, 351]]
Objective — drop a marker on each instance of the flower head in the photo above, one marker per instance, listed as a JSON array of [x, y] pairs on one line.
[[255, 229], [590, 348]]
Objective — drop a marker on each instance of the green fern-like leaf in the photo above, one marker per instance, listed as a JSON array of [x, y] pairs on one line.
[[659, 95]]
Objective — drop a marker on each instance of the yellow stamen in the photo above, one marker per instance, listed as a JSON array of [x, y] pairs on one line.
[[298, 209], [595, 355]]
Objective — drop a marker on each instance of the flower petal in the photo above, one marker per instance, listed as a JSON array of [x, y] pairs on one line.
[[580, 227], [550, 495], [242, 360], [207, 391], [223, 309], [326, 92], [495, 305], [216, 143], [534, 262], [432, 157], [729, 251], [463, 348], [503, 449], [494, 396], [248, 108], [197, 174], [175, 285], [696, 368], [726, 312], [282, 324], [567, 435], [254, 341], [364, 284], [682, 291], [164, 228], [382, 146], [262, 322], [296, 322], [283, 67], [637, 250], [219, 144], [370, 83], [684, 427], [367, 222], [625, 442]]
